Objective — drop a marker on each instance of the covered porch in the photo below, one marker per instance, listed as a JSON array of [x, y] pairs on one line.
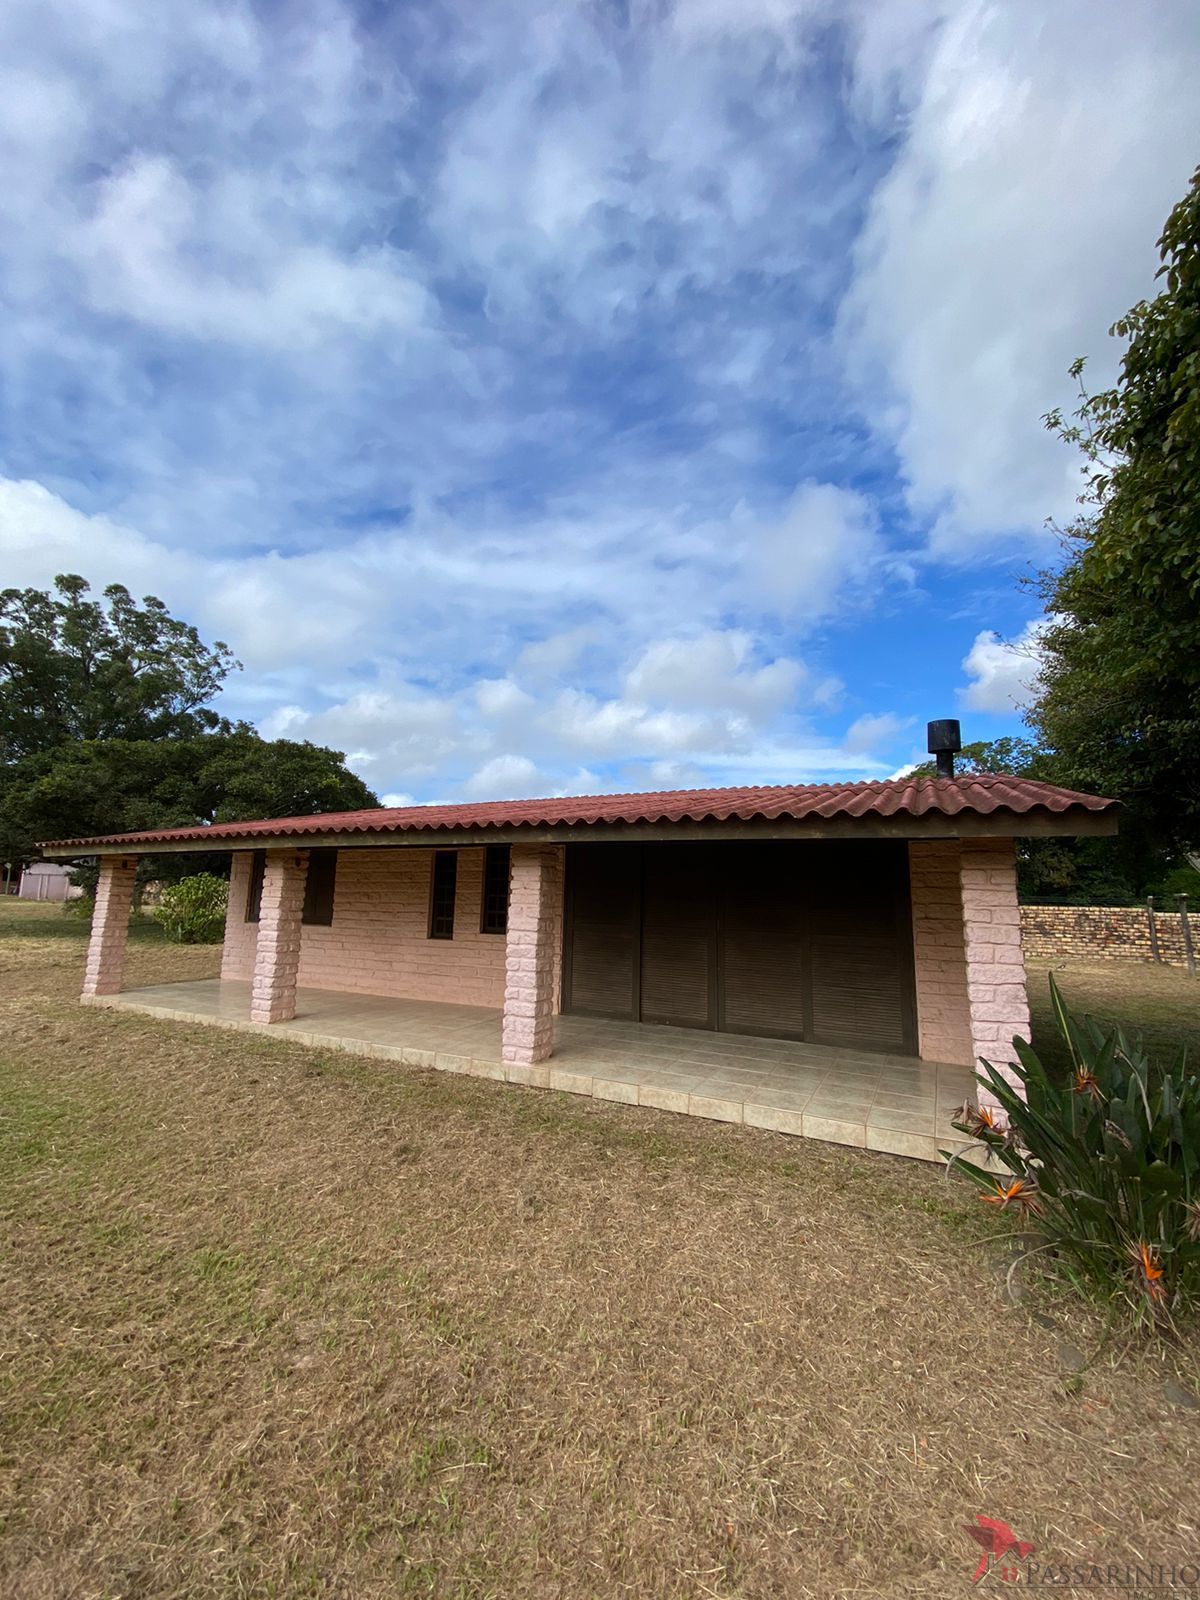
[[894, 1104]]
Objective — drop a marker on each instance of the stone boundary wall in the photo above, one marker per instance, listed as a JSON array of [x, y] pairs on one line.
[[1103, 933]]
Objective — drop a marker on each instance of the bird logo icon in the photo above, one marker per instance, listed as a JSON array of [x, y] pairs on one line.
[[997, 1540]]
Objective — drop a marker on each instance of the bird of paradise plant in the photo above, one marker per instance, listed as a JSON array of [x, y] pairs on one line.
[[1105, 1165]]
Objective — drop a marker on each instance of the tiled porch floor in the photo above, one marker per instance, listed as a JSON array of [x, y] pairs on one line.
[[889, 1103]]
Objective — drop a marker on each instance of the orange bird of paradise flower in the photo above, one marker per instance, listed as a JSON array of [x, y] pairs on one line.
[[1148, 1269], [1019, 1193]]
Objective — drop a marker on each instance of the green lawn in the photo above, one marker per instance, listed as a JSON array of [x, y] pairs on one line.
[[278, 1322]]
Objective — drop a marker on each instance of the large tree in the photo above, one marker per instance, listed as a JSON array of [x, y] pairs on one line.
[[1067, 871], [1119, 699], [76, 668], [106, 726], [122, 785], [1007, 755]]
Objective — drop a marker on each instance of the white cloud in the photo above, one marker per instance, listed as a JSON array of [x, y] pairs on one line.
[[823, 547], [713, 669], [1003, 675], [470, 370], [40, 535], [506, 777], [555, 656], [211, 264], [868, 733], [1040, 156]]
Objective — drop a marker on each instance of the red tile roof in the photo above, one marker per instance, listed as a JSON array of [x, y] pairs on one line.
[[895, 797]]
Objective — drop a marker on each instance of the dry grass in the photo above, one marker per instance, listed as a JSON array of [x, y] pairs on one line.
[[278, 1322]]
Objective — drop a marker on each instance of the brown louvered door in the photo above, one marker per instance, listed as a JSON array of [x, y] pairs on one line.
[[860, 946], [763, 922], [679, 936], [603, 914], [791, 940]]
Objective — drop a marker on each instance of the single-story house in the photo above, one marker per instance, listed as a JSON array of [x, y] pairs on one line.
[[806, 958]]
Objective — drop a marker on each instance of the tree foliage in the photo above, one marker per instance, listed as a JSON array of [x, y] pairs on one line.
[[123, 785], [1107, 871], [1119, 700], [106, 726], [76, 668], [1008, 755], [192, 911]]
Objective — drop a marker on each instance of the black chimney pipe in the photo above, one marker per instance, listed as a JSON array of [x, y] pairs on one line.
[[944, 740]]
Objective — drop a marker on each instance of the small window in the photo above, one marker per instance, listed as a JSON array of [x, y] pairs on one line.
[[441, 898], [318, 887], [258, 868], [494, 916]]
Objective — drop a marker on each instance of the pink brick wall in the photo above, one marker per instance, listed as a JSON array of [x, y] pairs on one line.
[[378, 941], [277, 949], [995, 963], [532, 958], [939, 951], [110, 927], [237, 957]]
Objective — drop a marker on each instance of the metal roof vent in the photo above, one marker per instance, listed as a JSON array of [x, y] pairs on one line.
[[944, 740]]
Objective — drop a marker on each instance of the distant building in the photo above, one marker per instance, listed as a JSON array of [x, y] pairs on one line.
[[45, 880]]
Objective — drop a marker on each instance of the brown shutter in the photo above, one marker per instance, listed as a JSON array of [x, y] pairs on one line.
[[497, 867], [258, 871], [319, 887], [443, 884], [763, 923], [600, 975], [861, 947], [679, 936]]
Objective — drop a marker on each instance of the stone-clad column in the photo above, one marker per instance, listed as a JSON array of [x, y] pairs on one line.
[[535, 894], [995, 962], [110, 926], [277, 953]]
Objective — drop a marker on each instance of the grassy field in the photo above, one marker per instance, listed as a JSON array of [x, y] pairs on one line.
[[1160, 1003], [282, 1323]]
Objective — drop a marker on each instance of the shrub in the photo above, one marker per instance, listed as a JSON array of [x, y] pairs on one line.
[[81, 908], [1104, 1168], [192, 911]]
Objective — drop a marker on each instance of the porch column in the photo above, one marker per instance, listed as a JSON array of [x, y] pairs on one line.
[[999, 1005], [535, 892], [277, 952], [110, 926]]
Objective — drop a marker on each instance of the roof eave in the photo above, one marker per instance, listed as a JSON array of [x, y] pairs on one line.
[[1038, 822]]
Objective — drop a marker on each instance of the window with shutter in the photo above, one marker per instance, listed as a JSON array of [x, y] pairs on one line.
[[319, 887], [493, 916], [443, 885], [258, 868]]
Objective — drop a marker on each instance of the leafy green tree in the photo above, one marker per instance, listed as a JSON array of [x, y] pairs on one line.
[[106, 727], [1119, 699], [1110, 872], [1008, 755], [76, 668], [123, 785]]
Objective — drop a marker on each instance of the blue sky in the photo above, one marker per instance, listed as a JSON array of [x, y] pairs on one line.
[[557, 397]]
